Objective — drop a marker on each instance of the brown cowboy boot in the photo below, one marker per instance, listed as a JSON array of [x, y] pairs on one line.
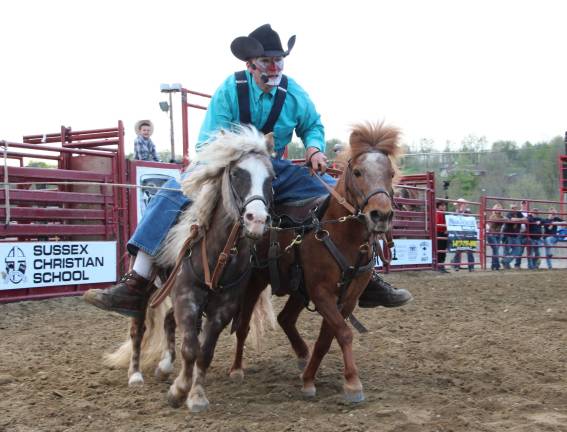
[[128, 297], [378, 292]]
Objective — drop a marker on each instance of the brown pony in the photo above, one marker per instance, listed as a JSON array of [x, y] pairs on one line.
[[336, 255]]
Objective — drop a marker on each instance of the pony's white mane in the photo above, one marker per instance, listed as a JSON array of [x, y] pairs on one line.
[[205, 183]]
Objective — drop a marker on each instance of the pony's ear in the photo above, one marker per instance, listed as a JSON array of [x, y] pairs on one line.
[[270, 142]]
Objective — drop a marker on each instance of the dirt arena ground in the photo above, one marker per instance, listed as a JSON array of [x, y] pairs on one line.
[[478, 351]]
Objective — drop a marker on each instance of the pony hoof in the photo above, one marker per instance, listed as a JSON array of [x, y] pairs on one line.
[[173, 400], [197, 405], [354, 396], [165, 365], [237, 375], [301, 363], [309, 392], [161, 374], [136, 379]]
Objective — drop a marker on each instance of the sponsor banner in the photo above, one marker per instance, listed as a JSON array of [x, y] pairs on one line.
[[43, 264], [410, 251], [151, 176], [462, 233], [460, 223], [462, 241]]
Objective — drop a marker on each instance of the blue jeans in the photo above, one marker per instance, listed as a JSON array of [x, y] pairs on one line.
[[512, 248], [519, 251], [533, 252], [549, 242], [456, 261], [292, 183], [494, 240]]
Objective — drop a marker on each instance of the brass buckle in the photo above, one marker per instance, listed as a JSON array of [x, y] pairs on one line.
[[296, 241]]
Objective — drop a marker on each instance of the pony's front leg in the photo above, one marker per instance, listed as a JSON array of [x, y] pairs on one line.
[[137, 329], [217, 319], [187, 313], [333, 325], [165, 366], [287, 320]]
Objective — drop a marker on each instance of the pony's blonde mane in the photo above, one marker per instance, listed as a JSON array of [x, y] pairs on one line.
[[369, 136], [205, 184]]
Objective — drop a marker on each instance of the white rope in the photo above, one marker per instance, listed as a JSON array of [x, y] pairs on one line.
[[131, 186], [6, 185]]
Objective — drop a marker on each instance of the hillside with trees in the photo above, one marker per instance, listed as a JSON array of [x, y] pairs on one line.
[[504, 169]]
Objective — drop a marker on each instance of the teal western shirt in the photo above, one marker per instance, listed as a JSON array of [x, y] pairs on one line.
[[298, 112]]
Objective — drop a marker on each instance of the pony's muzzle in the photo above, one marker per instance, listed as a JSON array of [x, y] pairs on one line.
[[256, 222], [379, 221], [377, 216]]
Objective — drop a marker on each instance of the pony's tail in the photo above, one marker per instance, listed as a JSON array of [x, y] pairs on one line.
[[154, 342], [262, 315]]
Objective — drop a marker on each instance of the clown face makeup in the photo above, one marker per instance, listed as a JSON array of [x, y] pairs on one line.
[[267, 70]]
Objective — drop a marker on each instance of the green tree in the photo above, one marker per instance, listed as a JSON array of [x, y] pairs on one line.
[[39, 164]]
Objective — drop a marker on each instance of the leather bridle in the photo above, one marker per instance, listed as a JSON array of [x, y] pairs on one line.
[[358, 209], [351, 186], [244, 204]]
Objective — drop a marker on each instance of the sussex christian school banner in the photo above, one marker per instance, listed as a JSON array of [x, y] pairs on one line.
[[43, 264], [462, 232]]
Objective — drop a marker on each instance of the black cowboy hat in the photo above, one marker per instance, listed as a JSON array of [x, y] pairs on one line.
[[262, 42]]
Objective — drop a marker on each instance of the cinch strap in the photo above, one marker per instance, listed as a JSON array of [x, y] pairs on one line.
[[244, 101]]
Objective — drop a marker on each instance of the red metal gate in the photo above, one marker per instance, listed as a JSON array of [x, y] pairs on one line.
[[66, 203], [414, 221]]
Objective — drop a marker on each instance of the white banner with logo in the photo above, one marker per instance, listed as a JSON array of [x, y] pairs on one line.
[[43, 264], [410, 251]]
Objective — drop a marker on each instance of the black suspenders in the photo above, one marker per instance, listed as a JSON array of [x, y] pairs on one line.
[[244, 101]]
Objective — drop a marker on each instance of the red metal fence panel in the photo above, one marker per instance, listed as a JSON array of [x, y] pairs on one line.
[[60, 213]]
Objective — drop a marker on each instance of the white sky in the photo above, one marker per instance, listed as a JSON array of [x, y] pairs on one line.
[[439, 69]]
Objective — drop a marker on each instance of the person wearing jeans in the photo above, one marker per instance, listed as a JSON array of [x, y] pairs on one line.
[[441, 207], [534, 241], [522, 236], [494, 235], [550, 235], [511, 235]]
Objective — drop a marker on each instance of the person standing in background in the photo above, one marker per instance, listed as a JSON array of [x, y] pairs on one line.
[[534, 241], [144, 147], [511, 235], [462, 209], [441, 207], [550, 234], [494, 234], [522, 236]]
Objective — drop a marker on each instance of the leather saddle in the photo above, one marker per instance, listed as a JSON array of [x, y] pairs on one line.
[[299, 213]]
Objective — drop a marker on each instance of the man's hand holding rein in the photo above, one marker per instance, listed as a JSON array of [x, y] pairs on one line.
[[315, 159]]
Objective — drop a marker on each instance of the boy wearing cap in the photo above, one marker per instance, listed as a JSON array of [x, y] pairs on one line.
[[144, 147]]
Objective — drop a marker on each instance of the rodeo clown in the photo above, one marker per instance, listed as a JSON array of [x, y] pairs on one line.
[[272, 102]]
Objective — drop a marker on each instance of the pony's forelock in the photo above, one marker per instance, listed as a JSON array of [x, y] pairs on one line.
[[368, 136], [224, 148]]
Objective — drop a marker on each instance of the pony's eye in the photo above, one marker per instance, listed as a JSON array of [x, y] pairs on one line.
[[356, 172]]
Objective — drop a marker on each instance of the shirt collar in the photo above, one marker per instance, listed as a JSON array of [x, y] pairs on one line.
[[256, 91]]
